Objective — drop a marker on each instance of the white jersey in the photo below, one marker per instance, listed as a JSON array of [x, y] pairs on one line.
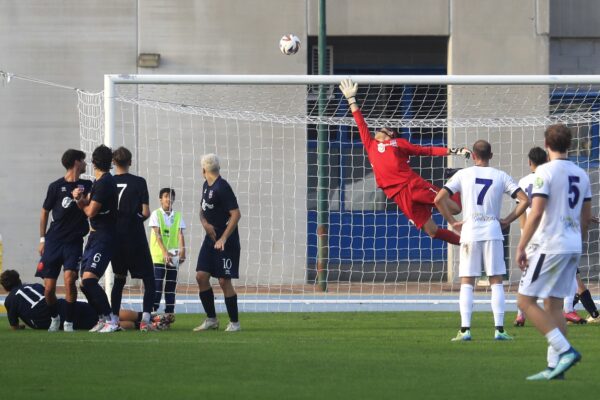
[[481, 190], [526, 184], [566, 186]]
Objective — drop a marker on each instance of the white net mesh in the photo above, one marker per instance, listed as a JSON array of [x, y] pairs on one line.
[[266, 137]]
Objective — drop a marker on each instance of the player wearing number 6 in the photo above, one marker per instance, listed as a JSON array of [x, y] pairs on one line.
[[389, 156], [559, 217], [481, 188], [220, 252]]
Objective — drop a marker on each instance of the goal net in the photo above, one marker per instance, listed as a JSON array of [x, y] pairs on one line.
[[316, 233]]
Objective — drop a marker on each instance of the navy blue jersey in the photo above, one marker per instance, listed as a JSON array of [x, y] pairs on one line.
[[133, 192], [217, 201], [68, 222], [104, 191], [27, 302]]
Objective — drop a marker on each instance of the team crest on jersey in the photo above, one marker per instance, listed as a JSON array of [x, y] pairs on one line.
[[538, 182], [66, 202], [381, 147], [210, 194], [63, 189]]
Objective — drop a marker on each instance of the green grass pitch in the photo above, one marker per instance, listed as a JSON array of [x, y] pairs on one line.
[[403, 355]]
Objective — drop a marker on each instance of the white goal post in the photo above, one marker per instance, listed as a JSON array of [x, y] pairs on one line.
[[292, 155]]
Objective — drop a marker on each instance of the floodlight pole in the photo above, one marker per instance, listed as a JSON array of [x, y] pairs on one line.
[[322, 162]]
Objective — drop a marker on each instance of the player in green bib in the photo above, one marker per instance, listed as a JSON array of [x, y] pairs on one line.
[[167, 246]]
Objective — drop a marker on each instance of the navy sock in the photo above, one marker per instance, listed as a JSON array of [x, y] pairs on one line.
[[232, 307], [96, 296], [208, 302], [159, 276], [116, 295], [69, 311], [149, 290], [500, 329], [170, 287], [53, 308], [588, 303]]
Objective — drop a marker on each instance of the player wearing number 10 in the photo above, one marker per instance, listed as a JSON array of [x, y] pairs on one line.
[[481, 188], [220, 251], [389, 156], [132, 252], [561, 211]]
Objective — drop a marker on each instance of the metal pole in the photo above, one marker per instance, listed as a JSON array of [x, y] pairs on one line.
[[322, 161], [109, 140]]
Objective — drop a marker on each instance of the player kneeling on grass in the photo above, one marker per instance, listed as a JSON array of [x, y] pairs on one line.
[[27, 303], [389, 156], [220, 251], [561, 212], [481, 188]]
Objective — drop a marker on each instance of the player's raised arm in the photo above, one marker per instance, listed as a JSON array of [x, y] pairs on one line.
[[349, 89]]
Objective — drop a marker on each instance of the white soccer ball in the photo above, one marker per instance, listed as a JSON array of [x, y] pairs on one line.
[[289, 44]]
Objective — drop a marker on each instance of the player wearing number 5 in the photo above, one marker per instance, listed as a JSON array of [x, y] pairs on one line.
[[481, 188], [220, 252], [559, 217], [389, 156]]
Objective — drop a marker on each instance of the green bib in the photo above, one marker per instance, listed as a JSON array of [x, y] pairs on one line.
[[170, 236]]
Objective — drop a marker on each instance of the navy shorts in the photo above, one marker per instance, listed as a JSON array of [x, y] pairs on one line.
[[97, 254], [58, 254], [85, 316], [132, 256], [220, 264]]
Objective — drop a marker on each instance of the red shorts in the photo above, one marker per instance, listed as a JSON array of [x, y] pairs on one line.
[[416, 200]]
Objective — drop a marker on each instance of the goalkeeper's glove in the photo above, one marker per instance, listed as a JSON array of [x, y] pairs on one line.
[[349, 90], [463, 151]]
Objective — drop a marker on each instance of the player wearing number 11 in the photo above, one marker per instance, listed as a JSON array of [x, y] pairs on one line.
[[481, 188]]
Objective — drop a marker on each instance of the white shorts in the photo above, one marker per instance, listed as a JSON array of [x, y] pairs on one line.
[[475, 256], [549, 275]]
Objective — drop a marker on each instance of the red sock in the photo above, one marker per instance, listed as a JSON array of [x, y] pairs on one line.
[[456, 198], [447, 236]]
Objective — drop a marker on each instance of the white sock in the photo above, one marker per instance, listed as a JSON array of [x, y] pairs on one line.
[[552, 357], [114, 319], [557, 340], [466, 305], [568, 304], [498, 304], [146, 317]]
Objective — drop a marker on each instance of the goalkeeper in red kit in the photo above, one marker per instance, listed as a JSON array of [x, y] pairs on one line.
[[389, 156]]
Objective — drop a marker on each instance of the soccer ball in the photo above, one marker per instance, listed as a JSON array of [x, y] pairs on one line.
[[289, 44]]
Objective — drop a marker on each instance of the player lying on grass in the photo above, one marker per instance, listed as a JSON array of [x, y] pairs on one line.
[[481, 240], [389, 155], [561, 212], [27, 302]]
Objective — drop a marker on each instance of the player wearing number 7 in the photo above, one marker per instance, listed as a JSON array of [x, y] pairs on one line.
[[481, 188], [132, 253], [389, 156]]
